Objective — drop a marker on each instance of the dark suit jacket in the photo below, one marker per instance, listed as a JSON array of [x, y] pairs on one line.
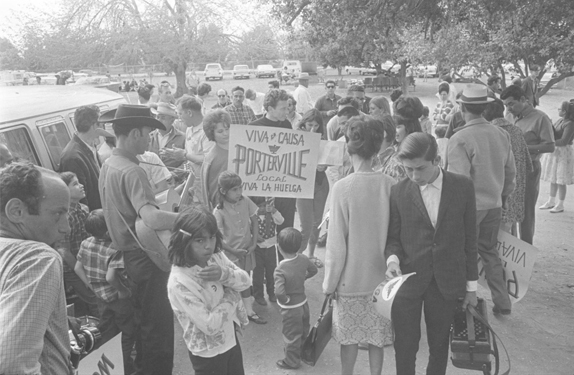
[[449, 253], [78, 158], [530, 89], [176, 139]]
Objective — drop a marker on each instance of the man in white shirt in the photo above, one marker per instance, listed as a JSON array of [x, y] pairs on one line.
[[255, 101], [302, 96], [432, 231]]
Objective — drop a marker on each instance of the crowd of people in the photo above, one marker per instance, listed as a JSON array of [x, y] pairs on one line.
[[415, 192]]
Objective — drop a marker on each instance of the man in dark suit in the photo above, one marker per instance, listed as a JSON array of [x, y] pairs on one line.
[[432, 232], [81, 157], [530, 86]]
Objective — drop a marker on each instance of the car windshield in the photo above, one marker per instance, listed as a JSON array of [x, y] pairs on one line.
[[92, 80], [238, 67], [264, 67], [212, 66]]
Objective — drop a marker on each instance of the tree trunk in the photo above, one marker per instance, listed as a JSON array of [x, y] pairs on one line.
[[403, 78], [179, 70], [554, 81], [502, 76]]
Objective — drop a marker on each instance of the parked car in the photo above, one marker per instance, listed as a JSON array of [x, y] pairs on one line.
[[432, 71], [36, 123], [265, 71], [240, 71], [291, 67], [360, 71], [213, 71]]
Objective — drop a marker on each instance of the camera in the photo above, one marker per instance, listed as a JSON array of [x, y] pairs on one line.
[[85, 339]]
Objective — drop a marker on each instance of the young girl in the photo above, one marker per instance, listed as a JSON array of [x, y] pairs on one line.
[[311, 210], [203, 289], [237, 220]]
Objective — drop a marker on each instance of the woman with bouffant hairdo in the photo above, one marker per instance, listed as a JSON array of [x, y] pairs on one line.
[[407, 112], [354, 260]]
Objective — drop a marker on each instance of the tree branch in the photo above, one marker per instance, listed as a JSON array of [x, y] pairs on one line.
[[298, 11], [554, 81]]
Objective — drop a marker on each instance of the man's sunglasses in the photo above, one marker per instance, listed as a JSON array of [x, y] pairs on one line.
[[330, 87]]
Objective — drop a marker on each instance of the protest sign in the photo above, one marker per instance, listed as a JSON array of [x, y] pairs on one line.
[[518, 258], [385, 293], [106, 360], [274, 162]]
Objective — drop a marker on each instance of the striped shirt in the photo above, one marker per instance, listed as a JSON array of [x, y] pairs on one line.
[[97, 256]]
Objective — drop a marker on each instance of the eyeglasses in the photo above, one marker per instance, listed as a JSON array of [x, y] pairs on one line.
[[330, 87], [221, 96]]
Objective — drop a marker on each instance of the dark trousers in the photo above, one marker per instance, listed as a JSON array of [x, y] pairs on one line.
[[530, 197], [488, 223], [295, 330], [115, 317], [265, 263], [154, 342], [228, 363], [406, 316], [287, 208], [88, 303]]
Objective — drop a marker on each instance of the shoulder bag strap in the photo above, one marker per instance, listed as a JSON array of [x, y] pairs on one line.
[[480, 318], [150, 253]]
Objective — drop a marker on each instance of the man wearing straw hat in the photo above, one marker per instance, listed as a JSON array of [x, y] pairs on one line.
[[482, 151], [302, 96], [126, 195]]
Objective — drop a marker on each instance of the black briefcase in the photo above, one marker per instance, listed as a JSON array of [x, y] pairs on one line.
[[473, 342]]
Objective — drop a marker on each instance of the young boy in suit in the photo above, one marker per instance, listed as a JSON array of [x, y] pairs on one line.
[[432, 232]]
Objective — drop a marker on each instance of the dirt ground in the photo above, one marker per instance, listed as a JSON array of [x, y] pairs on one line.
[[539, 335]]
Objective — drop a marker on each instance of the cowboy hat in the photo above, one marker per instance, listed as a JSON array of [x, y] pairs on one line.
[[131, 114], [165, 109], [474, 94]]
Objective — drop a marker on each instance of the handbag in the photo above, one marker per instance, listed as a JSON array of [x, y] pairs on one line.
[[319, 335], [473, 341]]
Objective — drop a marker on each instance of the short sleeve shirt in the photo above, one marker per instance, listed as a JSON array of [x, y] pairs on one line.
[[96, 256], [124, 187], [234, 221], [154, 168], [196, 143], [536, 127]]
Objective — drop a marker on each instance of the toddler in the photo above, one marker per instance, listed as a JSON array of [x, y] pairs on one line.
[[102, 266], [290, 276], [69, 247], [237, 220], [203, 289], [265, 253]]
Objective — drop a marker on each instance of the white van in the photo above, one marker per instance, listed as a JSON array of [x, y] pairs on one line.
[[291, 67], [37, 122]]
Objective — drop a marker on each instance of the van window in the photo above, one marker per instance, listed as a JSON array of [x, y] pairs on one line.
[[56, 138], [19, 143]]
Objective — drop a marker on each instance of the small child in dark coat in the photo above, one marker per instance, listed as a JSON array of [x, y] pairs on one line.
[[290, 276]]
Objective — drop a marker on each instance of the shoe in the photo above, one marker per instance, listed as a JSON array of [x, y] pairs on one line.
[[557, 209], [546, 206], [261, 301], [272, 298], [500, 311], [281, 363], [257, 319]]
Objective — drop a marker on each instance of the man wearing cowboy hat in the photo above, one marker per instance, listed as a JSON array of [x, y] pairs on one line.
[[127, 195], [170, 138], [482, 151], [302, 96]]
